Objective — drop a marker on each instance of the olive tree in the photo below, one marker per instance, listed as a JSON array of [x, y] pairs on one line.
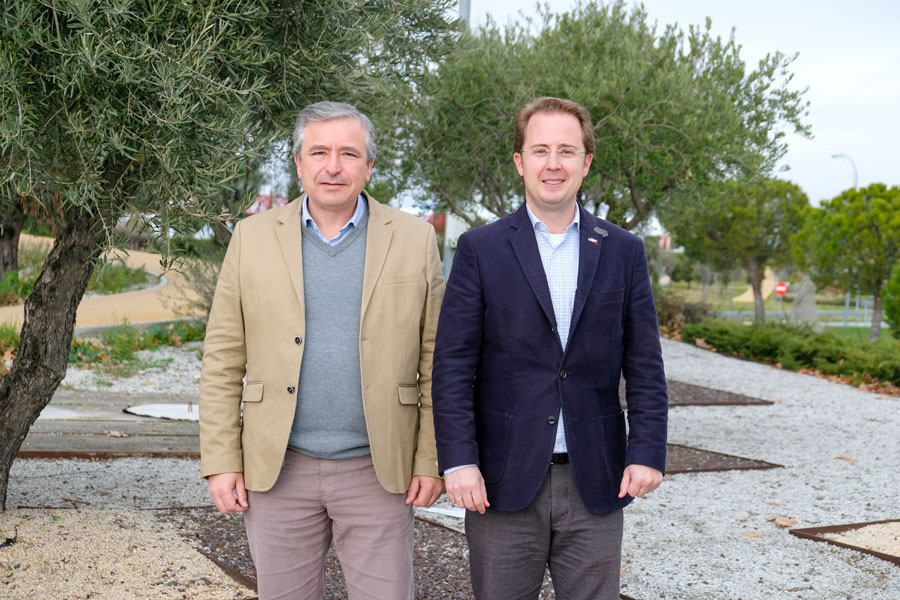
[[114, 107]]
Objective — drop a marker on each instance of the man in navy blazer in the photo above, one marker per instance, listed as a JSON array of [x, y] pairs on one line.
[[544, 310]]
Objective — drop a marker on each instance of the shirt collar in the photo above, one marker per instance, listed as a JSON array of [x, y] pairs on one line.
[[540, 226], [353, 222]]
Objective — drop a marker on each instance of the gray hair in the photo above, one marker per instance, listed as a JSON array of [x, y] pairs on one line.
[[326, 111]]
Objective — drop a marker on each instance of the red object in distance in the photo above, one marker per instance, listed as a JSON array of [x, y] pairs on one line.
[[781, 288]]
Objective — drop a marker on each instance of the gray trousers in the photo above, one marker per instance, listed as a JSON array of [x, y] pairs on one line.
[[509, 551]]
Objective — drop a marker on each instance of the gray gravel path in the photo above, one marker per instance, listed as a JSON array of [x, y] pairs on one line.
[[699, 536]]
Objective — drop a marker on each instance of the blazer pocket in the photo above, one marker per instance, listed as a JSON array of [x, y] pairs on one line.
[[411, 278], [253, 392], [409, 394], [609, 297]]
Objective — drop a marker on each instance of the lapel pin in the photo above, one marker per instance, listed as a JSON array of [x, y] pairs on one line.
[[601, 231], [593, 241]]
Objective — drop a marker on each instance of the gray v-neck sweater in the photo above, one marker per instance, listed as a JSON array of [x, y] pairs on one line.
[[329, 421]]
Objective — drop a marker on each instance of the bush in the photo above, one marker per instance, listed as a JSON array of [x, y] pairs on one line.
[[12, 289], [799, 347], [674, 312], [115, 278], [890, 298]]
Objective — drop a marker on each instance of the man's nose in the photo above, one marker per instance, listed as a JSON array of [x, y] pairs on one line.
[[553, 161], [333, 163]]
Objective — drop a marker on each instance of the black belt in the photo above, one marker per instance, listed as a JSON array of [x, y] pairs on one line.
[[559, 458]]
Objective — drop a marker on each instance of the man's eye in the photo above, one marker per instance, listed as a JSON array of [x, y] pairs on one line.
[[567, 153], [541, 153]]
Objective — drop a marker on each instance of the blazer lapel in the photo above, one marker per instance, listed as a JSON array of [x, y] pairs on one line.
[[591, 241], [290, 238], [378, 240], [525, 248]]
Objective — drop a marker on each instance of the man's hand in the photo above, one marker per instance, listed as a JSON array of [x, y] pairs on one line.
[[639, 480], [465, 488], [424, 490], [223, 487]]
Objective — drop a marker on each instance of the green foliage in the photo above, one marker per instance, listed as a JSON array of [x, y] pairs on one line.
[[116, 278], [119, 344], [853, 240], [673, 111], [747, 223], [798, 348], [9, 338], [12, 289], [890, 297], [674, 312], [159, 108]]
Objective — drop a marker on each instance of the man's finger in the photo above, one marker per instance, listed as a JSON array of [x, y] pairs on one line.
[[626, 483], [413, 490]]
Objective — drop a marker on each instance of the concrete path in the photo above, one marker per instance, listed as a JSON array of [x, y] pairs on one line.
[[95, 424]]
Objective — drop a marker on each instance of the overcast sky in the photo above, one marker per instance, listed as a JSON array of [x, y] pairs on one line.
[[849, 57]]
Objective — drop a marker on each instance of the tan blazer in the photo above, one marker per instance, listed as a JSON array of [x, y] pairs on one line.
[[256, 328]]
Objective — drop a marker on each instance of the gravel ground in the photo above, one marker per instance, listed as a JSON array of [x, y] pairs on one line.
[[700, 536]]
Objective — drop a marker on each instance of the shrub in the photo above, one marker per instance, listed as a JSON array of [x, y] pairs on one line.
[[800, 347], [673, 312], [12, 289], [890, 298]]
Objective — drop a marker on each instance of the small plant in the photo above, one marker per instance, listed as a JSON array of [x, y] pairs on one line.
[[12, 289], [800, 348], [116, 278], [890, 297]]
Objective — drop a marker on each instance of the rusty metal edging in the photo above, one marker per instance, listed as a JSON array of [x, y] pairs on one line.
[[814, 533], [764, 465]]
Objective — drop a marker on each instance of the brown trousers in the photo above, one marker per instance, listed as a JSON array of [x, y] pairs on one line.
[[315, 502]]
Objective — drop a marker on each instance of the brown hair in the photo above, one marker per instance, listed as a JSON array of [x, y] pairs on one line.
[[550, 105]]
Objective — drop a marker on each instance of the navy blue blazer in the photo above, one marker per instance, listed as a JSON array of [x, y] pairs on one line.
[[500, 373]]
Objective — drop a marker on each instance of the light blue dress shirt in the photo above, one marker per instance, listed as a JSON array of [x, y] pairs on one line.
[[559, 255], [344, 231]]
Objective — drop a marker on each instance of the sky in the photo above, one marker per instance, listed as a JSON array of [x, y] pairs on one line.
[[849, 58]]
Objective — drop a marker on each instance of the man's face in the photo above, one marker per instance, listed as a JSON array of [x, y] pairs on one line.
[[552, 179], [332, 164]]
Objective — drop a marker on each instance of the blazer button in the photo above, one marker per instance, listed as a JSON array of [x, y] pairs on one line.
[[551, 420], [298, 340], [563, 374], [290, 389]]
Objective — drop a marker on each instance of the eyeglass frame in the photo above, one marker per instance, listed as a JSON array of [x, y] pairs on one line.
[[546, 151]]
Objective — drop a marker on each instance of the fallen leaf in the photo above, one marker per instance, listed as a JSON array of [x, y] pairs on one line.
[[701, 343], [799, 588], [148, 382], [785, 521], [849, 460], [774, 503], [118, 434], [623, 570], [749, 533]]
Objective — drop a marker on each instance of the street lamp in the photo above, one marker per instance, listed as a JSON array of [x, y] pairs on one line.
[[853, 164]]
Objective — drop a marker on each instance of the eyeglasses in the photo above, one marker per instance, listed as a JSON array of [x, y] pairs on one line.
[[564, 154]]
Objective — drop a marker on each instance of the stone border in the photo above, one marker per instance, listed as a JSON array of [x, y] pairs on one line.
[[813, 533]]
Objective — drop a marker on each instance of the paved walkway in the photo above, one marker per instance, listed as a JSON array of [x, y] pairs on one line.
[[153, 304]]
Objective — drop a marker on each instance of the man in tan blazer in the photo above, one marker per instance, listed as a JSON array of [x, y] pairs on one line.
[[315, 396]]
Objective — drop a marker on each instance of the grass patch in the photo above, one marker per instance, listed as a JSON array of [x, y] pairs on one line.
[[116, 348], [803, 349], [117, 278], [109, 278]]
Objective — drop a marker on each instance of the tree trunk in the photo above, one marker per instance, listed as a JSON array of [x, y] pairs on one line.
[[755, 277], [875, 331], [46, 336], [10, 227]]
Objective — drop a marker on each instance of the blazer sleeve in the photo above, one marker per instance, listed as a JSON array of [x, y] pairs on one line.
[[425, 462], [645, 378], [457, 349], [222, 373]]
